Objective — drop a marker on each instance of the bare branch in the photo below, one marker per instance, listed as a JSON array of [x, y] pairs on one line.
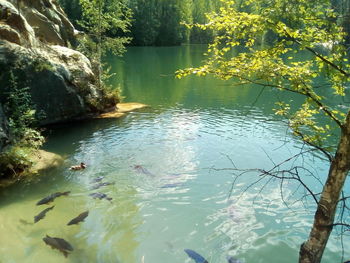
[[326, 153]]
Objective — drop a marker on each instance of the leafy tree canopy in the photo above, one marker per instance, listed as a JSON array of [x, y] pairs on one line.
[[104, 20], [296, 26], [238, 52]]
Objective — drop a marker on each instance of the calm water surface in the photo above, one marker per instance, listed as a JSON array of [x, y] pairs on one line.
[[193, 130]]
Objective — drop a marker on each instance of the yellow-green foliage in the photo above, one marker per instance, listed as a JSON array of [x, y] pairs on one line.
[[24, 138], [100, 19], [297, 26], [41, 65], [14, 160]]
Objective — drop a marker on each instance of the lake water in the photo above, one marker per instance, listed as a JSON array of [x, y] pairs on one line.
[[171, 165]]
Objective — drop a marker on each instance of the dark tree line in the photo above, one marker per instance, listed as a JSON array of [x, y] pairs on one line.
[[158, 22]]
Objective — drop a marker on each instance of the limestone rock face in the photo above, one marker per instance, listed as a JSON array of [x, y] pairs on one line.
[[35, 43], [10, 17]]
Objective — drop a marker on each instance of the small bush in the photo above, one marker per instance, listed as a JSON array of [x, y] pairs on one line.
[[24, 138], [14, 160]]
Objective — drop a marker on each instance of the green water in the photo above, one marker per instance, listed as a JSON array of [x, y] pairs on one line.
[[193, 130]]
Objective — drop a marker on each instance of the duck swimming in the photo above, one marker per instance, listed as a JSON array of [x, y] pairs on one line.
[[78, 167]]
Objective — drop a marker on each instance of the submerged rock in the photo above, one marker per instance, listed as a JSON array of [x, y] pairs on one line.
[[44, 160], [122, 109], [130, 106]]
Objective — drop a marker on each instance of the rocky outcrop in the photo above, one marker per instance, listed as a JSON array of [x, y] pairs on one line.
[[41, 73], [44, 160], [35, 22], [121, 110], [35, 43]]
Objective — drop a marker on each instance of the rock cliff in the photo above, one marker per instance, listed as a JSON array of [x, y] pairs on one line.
[[36, 40]]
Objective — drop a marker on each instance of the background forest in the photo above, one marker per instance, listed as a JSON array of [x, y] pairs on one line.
[[158, 22]]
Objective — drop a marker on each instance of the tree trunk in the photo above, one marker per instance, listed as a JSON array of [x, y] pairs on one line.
[[99, 43], [346, 21], [312, 250]]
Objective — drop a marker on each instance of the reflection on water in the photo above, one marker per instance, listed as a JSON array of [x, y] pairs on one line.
[[167, 192]]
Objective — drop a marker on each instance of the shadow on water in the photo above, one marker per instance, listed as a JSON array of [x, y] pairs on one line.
[[75, 132]]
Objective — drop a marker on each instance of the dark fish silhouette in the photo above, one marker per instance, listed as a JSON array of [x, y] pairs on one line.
[[143, 170], [100, 185], [78, 219], [195, 256], [97, 179], [100, 196], [50, 198], [42, 214], [25, 222], [58, 243], [231, 259], [171, 185]]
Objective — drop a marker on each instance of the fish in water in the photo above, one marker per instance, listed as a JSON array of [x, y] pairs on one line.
[[50, 198], [42, 214], [59, 244], [78, 219], [97, 179], [141, 169], [100, 196], [25, 222], [100, 185], [195, 256], [231, 259], [173, 185]]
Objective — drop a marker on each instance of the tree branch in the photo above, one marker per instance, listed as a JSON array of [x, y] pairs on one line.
[[324, 108], [328, 62], [327, 154]]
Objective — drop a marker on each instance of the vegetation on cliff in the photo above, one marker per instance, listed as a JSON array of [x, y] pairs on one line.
[[23, 136], [103, 22], [44, 80]]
